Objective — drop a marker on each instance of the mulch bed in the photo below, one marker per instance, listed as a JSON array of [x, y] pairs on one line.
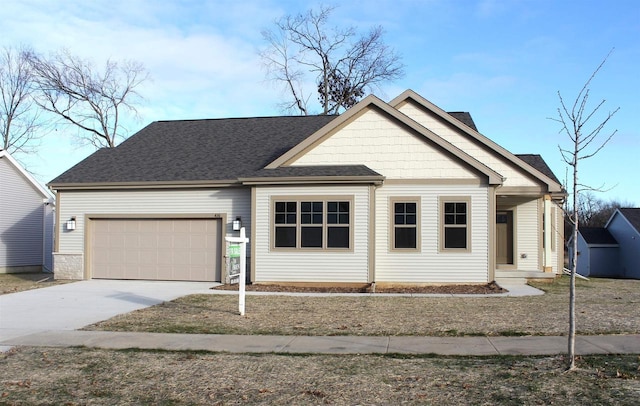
[[488, 288]]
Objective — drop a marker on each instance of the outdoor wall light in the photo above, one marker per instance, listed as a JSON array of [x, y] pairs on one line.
[[71, 224], [237, 224]]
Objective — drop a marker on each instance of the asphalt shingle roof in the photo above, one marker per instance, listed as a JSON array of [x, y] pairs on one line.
[[633, 215], [597, 235], [196, 150], [538, 163], [465, 118]]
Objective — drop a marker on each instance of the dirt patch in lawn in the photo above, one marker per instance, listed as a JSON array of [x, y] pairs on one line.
[[18, 282], [77, 376], [604, 306], [482, 289]]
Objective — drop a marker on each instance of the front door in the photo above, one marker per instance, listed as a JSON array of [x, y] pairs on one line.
[[504, 237]]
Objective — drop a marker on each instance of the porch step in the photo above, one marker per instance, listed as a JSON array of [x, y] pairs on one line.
[[525, 275], [511, 281]]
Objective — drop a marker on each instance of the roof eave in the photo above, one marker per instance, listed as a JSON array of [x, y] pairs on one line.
[[144, 185], [307, 180]]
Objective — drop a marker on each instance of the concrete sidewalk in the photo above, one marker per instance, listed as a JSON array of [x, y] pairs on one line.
[[470, 346]]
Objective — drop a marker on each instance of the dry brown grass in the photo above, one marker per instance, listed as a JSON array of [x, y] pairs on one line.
[[18, 282], [100, 377], [604, 306]]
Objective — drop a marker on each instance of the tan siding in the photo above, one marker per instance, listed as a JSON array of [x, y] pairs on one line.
[[229, 201], [381, 144], [528, 240], [429, 265], [305, 266], [513, 176]]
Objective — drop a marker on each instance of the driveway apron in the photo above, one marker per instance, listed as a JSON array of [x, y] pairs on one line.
[[74, 305]]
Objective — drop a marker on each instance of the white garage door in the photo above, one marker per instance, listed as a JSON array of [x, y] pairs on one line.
[[156, 249]]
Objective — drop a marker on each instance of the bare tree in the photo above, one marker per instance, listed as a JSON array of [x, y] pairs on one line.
[[577, 124], [91, 99], [303, 50], [595, 212], [19, 116]]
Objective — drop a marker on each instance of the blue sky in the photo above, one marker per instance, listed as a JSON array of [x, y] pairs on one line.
[[502, 60]]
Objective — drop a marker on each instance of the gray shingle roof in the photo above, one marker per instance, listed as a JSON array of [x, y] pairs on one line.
[[597, 235], [538, 163], [633, 215], [195, 150]]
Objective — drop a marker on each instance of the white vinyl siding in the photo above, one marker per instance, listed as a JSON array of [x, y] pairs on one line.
[[529, 235], [429, 265], [276, 265], [232, 202], [383, 145], [22, 220], [514, 176]]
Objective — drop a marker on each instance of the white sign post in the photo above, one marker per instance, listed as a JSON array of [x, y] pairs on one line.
[[242, 240]]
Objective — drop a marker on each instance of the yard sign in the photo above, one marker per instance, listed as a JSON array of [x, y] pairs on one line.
[[239, 246]]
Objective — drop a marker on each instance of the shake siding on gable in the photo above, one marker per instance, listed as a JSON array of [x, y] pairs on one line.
[[308, 266], [231, 202], [429, 265], [514, 178], [22, 219], [379, 142]]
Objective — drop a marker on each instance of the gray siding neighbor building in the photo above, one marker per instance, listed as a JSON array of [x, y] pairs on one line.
[[624, 226], [26, 220]]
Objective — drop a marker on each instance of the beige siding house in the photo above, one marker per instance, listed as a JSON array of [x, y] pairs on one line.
[[386, 193]]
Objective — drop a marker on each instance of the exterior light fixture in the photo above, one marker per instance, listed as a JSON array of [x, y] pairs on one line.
[[237, 224], [71, 224]]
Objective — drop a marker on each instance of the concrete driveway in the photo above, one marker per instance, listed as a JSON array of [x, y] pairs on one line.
[[74, 305]]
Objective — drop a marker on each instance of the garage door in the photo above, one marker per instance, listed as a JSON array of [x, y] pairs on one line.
[[156, 249]]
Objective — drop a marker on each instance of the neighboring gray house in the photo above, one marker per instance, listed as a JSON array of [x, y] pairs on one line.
[[624, 226], [611, 251], [387, 193], [26, 220], [598, 253]]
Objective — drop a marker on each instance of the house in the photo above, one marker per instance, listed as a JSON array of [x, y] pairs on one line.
[[26, 220], [611, 251], [598, 253], [388, 193], [624, 226]]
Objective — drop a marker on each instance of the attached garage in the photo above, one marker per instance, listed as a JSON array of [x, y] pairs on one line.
[[179, 249]]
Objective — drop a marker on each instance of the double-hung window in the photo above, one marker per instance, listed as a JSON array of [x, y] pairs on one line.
[[312, 223], [455, 223], [405, 223]]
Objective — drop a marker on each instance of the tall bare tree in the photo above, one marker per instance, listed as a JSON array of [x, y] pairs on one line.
[[19, 116], [342, 66], [583, 126], [91, 99]]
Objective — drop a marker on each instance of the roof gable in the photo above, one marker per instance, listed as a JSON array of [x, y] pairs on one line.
[[367, 104], [631, 215], [409, 96], [26, 176]]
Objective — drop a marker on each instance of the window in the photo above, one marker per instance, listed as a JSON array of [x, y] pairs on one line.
[[405, 224], [312, 223], [311, 215], [338, 224], [285, 220], [455, 224]]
